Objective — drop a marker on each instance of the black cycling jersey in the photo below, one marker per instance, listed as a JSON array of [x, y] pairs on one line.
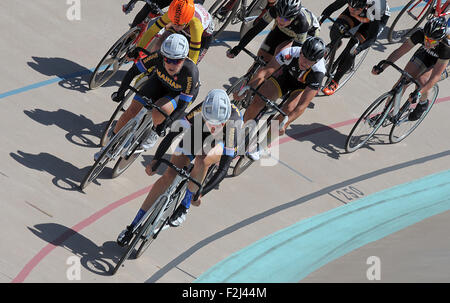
[[441, 51], [290, 77], [305, 24], [185, 84], [192, 126]]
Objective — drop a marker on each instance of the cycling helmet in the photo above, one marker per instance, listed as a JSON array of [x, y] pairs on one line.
[[181, 11], [216, 108], [313, 48], [357, 3], [436, 28], [176, 46], [288, 8]]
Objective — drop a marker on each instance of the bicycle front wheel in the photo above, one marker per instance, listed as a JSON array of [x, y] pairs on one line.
[[356, 64], [407, 20], [403, 127], [369, 122], [108, 154], [120, 108], [113, 59], [222, 17], [155, 210]]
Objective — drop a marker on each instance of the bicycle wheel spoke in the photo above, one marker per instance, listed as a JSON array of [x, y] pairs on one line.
[[368, 123], [404, 127]]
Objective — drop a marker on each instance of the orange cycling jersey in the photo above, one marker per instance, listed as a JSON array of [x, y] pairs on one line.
[[195, 32]]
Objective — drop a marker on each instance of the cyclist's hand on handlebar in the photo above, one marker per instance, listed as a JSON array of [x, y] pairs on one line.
[[233, 52], [377, 69], [127, 8], [197, 202], [149, 170]]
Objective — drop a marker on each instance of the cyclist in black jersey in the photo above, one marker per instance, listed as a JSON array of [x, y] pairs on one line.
[[371, 15], [297, 71], [173, 84], [428, 62], [210, 137], [293, 23]]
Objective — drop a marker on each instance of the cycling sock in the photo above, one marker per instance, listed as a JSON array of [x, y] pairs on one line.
[[187, 199], [138, 217]]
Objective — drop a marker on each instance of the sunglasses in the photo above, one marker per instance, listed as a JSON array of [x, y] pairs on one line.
[[172, 61], [285, 19], [430, 41]]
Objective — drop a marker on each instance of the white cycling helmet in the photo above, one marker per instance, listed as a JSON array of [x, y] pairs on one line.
[[216, 108], [176, 46]]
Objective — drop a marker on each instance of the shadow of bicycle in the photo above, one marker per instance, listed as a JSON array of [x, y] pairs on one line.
[[80, 130], [66, 175], [99, 260]]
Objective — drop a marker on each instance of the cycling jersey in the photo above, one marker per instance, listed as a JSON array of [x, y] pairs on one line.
[[305, 24], [290, 77], [441, 51], [194, 31], [193, 126], [376, 10]]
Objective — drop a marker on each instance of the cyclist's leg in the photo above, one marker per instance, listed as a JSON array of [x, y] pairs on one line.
[[140, 17], [151, 89], [344, 19], [270, 89]]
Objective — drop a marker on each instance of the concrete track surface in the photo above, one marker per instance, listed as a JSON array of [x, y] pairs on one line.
[[51, 126]]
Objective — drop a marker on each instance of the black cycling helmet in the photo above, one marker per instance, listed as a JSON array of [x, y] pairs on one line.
[[288, 8], [357, 3], [313, 49], [436, 28]]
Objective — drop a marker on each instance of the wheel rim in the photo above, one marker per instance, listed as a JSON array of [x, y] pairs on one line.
[[367, 125], [404, 127]]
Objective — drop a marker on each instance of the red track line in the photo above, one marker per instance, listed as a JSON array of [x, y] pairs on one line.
[[93, 218]]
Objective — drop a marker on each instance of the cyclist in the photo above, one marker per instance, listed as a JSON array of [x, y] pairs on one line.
[[173, 84], [293, 23], [185, 18], [297, 71], [428, 62], [215, 121], [372, 15], [147, 9]]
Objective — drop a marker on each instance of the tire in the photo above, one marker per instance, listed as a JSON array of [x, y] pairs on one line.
[[121, 107], [407, 23], [156, 226], [404, 128], [377, 107], [114, 60], [223, 23], [235, 87], [115, 145], [156, 209]]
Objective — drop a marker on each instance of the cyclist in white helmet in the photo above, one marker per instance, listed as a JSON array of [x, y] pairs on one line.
[[173, 84], [210, 136]]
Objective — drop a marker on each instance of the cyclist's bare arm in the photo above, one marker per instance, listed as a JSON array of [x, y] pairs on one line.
[[264, 73], [436, 73], [398, 53], [306, 97]]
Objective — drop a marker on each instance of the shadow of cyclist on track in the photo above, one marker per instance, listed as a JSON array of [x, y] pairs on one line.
[[66, 175], [73, 76], [80, 130], [92, 257]]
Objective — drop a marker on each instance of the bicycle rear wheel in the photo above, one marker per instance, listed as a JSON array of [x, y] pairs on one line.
[[369, 122], [403, 128], [120, 108], [254, 9], [113, 148], [113, 59], [222, 21], [406, 21]]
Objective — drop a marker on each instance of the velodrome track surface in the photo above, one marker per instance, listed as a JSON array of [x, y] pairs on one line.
[[51, 125]]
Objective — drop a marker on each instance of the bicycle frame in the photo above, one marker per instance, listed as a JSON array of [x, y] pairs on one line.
[[439, 11]]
